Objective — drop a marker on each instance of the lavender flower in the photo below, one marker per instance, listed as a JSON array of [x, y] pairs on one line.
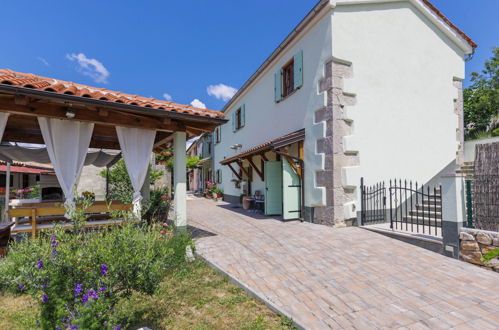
[[54, 253], [21, 287], [45, 298], [54, 241], [84, 299], [39, 264], [118, 327], [78, 289], [92, 294], [102, 289], [74, 327], [103, 270]]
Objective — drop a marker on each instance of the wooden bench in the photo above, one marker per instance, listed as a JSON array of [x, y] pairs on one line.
[[42, 216], [5, 228]]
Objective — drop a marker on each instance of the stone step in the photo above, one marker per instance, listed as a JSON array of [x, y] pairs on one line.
[[422, 221], [430, 208], [425, 213]]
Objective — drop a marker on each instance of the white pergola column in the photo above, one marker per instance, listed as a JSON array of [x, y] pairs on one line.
[[180, 178]]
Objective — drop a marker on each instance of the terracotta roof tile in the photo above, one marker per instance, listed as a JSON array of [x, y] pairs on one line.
[[29, 80], [262, 147], [447, 21]]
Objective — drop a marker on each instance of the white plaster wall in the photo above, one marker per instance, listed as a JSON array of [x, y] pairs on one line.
[[91, 180], [404, 125], [267, 120], [469, 147]]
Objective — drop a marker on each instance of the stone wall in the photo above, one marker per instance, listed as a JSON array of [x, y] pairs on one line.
[[475, 243]]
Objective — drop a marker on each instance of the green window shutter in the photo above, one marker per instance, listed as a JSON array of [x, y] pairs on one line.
[[243, 115], [219, 176], [277, 88], [298, 69], [233, 120]]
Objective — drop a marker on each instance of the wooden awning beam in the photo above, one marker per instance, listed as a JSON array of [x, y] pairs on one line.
[[110, 118], [234, 171], [257, 170], [240, 163]]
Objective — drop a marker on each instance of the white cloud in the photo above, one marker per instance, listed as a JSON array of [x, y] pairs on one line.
[[221, 91], [44, 61], [198, 104], [90, 67], [167, 96]]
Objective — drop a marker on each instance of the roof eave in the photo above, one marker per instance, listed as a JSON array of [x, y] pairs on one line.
[[18, 90]]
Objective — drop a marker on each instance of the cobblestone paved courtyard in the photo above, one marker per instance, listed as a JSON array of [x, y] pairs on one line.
[[344, 278]]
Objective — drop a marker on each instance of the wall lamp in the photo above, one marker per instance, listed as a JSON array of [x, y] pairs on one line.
[[70, 113]]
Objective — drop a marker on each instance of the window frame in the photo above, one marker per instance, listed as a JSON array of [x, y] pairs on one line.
[[288, 75]]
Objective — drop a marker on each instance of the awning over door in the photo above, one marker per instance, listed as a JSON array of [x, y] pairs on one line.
[[271, 145]]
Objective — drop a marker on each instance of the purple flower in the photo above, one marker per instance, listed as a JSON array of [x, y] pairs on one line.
[[102, 289], [84, 299], [44, 285], [54, 253], [92, 294], [103, 270], [39, 264], [78, 289], [45, 298], [74, 327], [54, 241], [21, 287], [118, 327]]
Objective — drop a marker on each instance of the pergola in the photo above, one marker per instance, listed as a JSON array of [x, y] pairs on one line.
[[69, 118]]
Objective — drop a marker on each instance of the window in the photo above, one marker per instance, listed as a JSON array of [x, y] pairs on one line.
[[238, 118], [219, 176], [288, 73], [289, 78], [218, 135]]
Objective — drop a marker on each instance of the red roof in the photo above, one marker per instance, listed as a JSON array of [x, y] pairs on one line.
[[32, 81], [446, 20], [300, 134], [23, 169]]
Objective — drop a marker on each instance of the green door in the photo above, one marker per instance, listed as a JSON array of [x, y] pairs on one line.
[[291, 192], [273, 188]]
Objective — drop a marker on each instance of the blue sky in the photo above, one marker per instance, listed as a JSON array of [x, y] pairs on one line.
[[179, 48]]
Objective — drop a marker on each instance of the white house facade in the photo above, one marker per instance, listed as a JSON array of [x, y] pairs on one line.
[[359, 89]]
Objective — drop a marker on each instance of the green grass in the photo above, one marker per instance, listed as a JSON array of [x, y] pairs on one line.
[[195, 297]]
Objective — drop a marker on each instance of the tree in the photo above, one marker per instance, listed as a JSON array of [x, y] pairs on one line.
[[481, 99], [120, 186]]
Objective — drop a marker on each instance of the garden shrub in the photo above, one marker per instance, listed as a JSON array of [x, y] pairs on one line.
[[79, 277], [495, 132], [158, 205]]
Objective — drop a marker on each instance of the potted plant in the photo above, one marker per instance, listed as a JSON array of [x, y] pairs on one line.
[[217, 192], [164, 156]]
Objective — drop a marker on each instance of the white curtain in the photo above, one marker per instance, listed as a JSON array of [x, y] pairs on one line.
[[67, 144], [3, 122], [136, 146]]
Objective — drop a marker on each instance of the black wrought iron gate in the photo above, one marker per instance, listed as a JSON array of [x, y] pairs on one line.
[[406, 205]]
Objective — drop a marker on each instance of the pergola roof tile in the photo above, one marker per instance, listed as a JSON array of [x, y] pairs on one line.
[[28, 80]]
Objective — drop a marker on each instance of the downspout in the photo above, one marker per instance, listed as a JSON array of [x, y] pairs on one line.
[[302, 190]]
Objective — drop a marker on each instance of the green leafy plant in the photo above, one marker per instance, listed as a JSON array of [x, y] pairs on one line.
[[495, 132], [120, 186], [481, 99], [158, 206], [490, 255], [34, 192], [167, 157], [78, 278]]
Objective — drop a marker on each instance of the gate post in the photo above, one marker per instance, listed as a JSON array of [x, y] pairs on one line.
[[362, 206], [453, 197]]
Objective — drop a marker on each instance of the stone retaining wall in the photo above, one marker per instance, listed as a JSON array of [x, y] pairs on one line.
[[475, 243]]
